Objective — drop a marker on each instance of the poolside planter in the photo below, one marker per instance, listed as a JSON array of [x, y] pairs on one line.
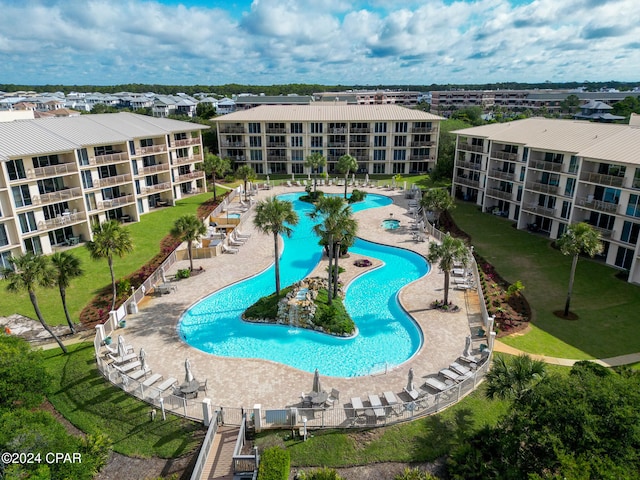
[[123, 323], [107, 341]]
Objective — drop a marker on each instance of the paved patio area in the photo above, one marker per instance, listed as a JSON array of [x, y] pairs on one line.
[[244, 382]]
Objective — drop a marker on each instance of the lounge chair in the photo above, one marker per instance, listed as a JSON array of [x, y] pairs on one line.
[[235, 240], [436, 384], [376, 404], [240, 235], [226, 249], [460, 369], [334, 396], [472, 362], [453, 376], [289, 183], [203, 386], [414, 394]]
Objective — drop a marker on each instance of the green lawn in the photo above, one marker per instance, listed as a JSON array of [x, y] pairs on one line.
[[422, 440], [607, 306], [146, 236], [93, 405]]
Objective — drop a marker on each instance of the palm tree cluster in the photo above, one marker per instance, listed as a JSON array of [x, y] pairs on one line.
[[448, 252], [189, 228]]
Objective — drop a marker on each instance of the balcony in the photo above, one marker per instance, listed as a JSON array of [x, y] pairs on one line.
[[191, 159], [55, 197], [502, 175], [341, 143], [601, 206], [160, 167], [116, 202], [420, 158], [469, 165], [543, 187], [109, 158], [276, 158], [601, 179], [604, 232], [338, 130], [186, 142], [233, 144], [360, 130], [540, 210], [281, 131], [61, 221], [422, 144], [189, 176], [276, 144], [159, 187], [358, 144], [546, 166], [512, 157], [422, 130], [470, 148], [52, 170], [151, 150], [495, 192], [232, 129], [110, 181], [468, 182]]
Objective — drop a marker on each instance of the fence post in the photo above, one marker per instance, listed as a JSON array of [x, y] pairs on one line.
[[206, 411], [257, 416]]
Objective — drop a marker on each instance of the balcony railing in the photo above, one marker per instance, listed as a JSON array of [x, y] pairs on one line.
[[160, 167], [469, 165], [419, 157], [422, 143], [422, 130], [52, 170], [604, 232], [276, 144], [60, 221], [186, 142], [547, 166], [588, 202], [543, 187], [337, 144], [151, 149], [232, 129], [360, 130], [505, 156], [59, 196], [191, 159], [233, 144], [110, 181], [189, 176], [470, 148], [109, 158], [115, 202], [602, 179], [358, 144], [276, 130], [155, 188], [468, 182], [495, 192], [502, 175], [540, 210]]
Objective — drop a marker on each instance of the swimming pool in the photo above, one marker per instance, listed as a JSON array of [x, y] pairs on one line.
[[386, 335]]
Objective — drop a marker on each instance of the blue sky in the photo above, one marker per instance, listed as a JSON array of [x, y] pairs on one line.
[[330, 42]]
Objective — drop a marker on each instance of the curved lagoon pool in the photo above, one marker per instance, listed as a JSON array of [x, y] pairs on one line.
[[387, 336]]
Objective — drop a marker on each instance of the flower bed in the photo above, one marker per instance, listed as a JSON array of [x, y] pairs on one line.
[[363, 262]]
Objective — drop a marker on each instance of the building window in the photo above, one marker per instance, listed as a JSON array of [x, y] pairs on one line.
[[27, 222], [90, 200], [296, 142], [566, 210], [316, 142], [379, 155], [4, 260], [297, 156], [146, 142], [519, 196], [398, 167], [636, 179], [573, 164], [381, 127], [83, 156], [316, 128], [630, 232], [256, 155], [21, 196], [255, 142], [401, 127], [297, 168], [16, 169], [378, 167], [624, 258], [613, 170], [4, 238], [400, 141], [399, 155], [296, 128], [254, 128], [32, 245], [380, 141], [45, 161]]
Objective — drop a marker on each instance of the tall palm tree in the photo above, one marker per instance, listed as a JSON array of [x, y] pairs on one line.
[[67, 267], [109, 239], [346, 164], [216, 167], [510, 379], [28, 272], [437, 200], [315, 161], [579, 238], [189, 228], [445, 254], [246, 174], [274, 216]]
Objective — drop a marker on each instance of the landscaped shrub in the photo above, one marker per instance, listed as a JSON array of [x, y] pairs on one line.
[[357, 196], [183, 273], [274, 464], [320, 474], [123, 287]]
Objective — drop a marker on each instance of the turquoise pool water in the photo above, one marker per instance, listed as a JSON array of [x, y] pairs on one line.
[[390, 224], [387, 336]]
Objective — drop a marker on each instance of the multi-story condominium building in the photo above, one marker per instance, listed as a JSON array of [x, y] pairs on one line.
[[408, 98], [384, 139], [59, 176], [546, 174]]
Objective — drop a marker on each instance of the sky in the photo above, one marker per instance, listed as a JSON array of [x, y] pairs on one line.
[[330, 42]]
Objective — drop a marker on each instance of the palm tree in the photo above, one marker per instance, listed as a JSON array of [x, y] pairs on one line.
[[67, 267], [315, 161], [445, 254], [29, 271], [189, 228], [274, 216], [512, 379], [437, 200], [246, 174], [579, 238], [346, 164], [109, 239], [216, 167]]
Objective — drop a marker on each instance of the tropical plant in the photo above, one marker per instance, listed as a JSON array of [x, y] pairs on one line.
[[26, 272], [315, 161], [437, 200], [446, 254], [246, 174], [109, 239], [579, 238], [414, 474], [514, 289], [216, 167], [274, 216], [67, 267], [189, 228], [510, 378], [347, 164]]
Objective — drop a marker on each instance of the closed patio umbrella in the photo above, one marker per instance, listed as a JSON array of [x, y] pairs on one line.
[[317, 387], [410, 380], [467, 346], [188, 374], [143, 359], [122, 351]]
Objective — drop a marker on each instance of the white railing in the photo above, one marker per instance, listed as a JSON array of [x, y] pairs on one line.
[[204, 450]]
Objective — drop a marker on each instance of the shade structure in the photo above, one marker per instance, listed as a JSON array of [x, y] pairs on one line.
[[410, 380], [122, 351], [188, 377], [317, 387], [143, 359]]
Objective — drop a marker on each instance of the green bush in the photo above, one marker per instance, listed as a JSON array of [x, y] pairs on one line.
[[357, 196], [333, 318], [266, 307], [274, 464], [123, 288], [320, 474], [183, 273], [414, 474]]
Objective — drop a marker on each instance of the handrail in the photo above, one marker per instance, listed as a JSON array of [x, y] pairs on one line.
[[204, 450]]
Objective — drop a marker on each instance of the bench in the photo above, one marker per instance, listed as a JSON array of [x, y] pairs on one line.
[[127, 367]]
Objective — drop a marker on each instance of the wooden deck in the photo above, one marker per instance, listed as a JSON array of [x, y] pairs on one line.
[[219, 464]]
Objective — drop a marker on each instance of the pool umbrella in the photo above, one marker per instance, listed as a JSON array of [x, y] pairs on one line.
[[164, 275], [467, 346], [187, 368], [410, 380], [366, 178], [122, 351], [317, 388], [293, 176], [143, 359]]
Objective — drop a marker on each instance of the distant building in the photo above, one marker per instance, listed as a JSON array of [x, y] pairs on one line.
[[371, 97], [246, 102], [597, 111]]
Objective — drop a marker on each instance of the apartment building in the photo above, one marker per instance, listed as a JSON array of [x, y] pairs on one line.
[[545, 174], [384, 139], [59, 176], [408, 98]]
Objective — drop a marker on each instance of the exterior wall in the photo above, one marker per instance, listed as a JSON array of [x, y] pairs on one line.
[[546, 191]]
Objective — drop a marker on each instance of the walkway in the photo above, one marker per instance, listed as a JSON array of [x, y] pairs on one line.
[[219, 464]]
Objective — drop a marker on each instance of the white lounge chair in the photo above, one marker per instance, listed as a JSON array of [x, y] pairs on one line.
[[414, 394], [460, 369], [376, 404], [240, 235], [334, 396], [436, 384], [226, 249]]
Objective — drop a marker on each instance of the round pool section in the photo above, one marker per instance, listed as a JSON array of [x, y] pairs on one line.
[[390, 224], [387, 336]]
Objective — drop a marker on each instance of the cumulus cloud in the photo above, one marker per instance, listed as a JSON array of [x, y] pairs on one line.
[[319, 41]]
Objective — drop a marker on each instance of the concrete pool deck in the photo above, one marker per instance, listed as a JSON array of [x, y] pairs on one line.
[[237, 382]]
